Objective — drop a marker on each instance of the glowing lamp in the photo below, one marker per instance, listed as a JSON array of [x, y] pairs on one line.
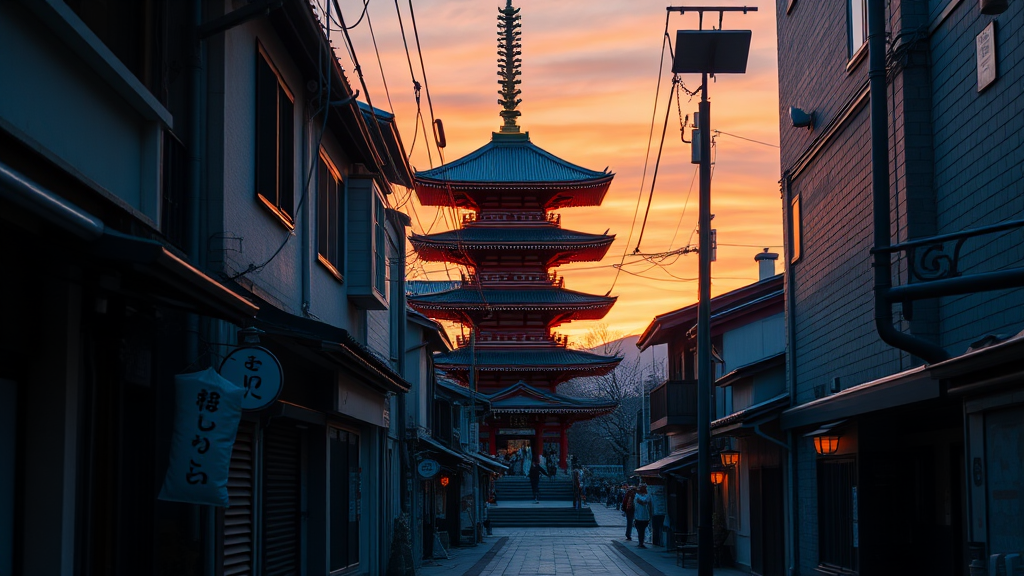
[[445, 480], [717, 477], [826, 444], [729, 457]]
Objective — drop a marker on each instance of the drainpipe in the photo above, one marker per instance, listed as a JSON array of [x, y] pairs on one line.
[[919, 347], [792, 531]]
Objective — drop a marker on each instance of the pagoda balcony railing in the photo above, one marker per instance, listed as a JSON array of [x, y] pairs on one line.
[[556, 339], [674, 407], [550, 278], [538, 217]]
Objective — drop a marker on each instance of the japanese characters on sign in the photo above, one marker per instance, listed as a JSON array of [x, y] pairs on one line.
[[257, 372], [207, 411], [986, 56]]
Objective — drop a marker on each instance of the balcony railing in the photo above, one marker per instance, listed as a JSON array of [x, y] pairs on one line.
[[505, 277], [540, 217], [674, 407]]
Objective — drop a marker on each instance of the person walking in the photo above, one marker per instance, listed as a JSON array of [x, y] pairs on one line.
[[535, 472], [577, 486], [641, 513], [627, 507]]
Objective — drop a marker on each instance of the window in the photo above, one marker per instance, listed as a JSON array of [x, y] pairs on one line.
[[345, 507], [329, 234], [858, 27], [134, 30], [275, 134], [380, 254], [838, 538], [796, 237]]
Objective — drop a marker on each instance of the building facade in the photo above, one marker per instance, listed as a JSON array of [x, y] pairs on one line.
[[749, 350], [192, 171], [903, 300]]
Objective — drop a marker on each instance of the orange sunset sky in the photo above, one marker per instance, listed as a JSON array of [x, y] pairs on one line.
[[590, 70]]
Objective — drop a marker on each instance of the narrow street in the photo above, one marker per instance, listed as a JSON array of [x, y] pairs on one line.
[[601, 551]]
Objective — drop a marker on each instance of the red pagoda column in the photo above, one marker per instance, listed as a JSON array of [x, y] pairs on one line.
[[492, 440], [563, 449]]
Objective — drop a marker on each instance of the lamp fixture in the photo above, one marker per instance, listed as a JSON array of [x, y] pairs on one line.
[[717, 477], [826, 444], [445, 480], [800, 118], [729, 457]]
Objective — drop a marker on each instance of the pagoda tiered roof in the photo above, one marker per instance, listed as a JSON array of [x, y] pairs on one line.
[[528, 359], [521, 398], [508, 165], [564, 245], [448, 305]]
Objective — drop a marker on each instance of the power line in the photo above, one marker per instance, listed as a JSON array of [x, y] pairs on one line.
[[666, 41], [745, 138]]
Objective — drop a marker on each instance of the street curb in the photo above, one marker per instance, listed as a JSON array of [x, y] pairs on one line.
[[482, 563], [638, 561]]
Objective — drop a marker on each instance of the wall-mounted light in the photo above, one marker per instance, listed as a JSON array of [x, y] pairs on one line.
[[800, 118], [717, 477], [445, 480], [729, 457], [826, 438], [826, 444]]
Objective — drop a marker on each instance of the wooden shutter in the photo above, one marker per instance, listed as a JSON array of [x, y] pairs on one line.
[[238, 519], [282, 493]]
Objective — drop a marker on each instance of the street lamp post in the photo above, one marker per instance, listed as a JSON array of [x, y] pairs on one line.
[[707, 52]]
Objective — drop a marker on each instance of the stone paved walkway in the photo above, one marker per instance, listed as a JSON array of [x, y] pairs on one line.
[[600, 551]]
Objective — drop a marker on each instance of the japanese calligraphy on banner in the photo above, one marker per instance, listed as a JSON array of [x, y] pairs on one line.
[[258, 372], [207, 411]]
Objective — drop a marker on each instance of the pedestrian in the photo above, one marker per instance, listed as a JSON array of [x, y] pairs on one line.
[[577, 486], [627, 507], [535, 472], [641, 513], [619, 493]]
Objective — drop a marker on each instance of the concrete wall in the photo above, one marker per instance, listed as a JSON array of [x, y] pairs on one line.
[[65, 95]]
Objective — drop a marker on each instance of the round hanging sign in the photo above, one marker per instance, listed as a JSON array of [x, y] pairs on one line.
[[258, 371], [428, 468]]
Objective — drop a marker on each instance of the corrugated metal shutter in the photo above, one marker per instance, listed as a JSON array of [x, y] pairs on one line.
[[282, 461], [238, 520]]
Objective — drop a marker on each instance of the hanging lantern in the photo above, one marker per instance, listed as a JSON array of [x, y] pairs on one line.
[[729, 457], [445, 480], [717, 477], [826, 444]]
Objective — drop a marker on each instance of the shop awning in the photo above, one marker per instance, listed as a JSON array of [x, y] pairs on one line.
[[488, 464], [907, 387], [334, 344], [677, 459], [161, 274], [444, 453]]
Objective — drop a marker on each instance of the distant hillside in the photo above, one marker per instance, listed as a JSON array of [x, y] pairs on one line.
[[655, 356]]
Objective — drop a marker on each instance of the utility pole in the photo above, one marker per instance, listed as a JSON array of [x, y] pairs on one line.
[[707, 52]]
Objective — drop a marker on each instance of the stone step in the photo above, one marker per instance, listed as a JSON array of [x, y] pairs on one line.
[[521, 517]]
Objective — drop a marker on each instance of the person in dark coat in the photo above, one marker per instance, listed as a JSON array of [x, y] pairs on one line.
[[535, 472], [627, 505]]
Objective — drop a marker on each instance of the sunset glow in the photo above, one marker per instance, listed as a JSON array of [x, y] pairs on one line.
[[589, 74]]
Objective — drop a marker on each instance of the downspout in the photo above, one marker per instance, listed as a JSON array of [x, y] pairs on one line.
[[792, 531], [205, 516], [919, 347]]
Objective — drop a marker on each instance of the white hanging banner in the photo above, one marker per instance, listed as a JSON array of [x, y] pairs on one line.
[[207, 411], [257, 372]]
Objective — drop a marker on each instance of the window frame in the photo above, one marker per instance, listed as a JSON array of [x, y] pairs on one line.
[[325, 216], [795, 230], [380, 247], [856, 51], [337, 433], [282, 202]]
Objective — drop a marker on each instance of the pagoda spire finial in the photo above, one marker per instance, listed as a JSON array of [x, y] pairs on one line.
[[508, 66]]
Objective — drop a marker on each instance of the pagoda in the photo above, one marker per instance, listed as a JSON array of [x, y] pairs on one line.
[[509, 300]]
